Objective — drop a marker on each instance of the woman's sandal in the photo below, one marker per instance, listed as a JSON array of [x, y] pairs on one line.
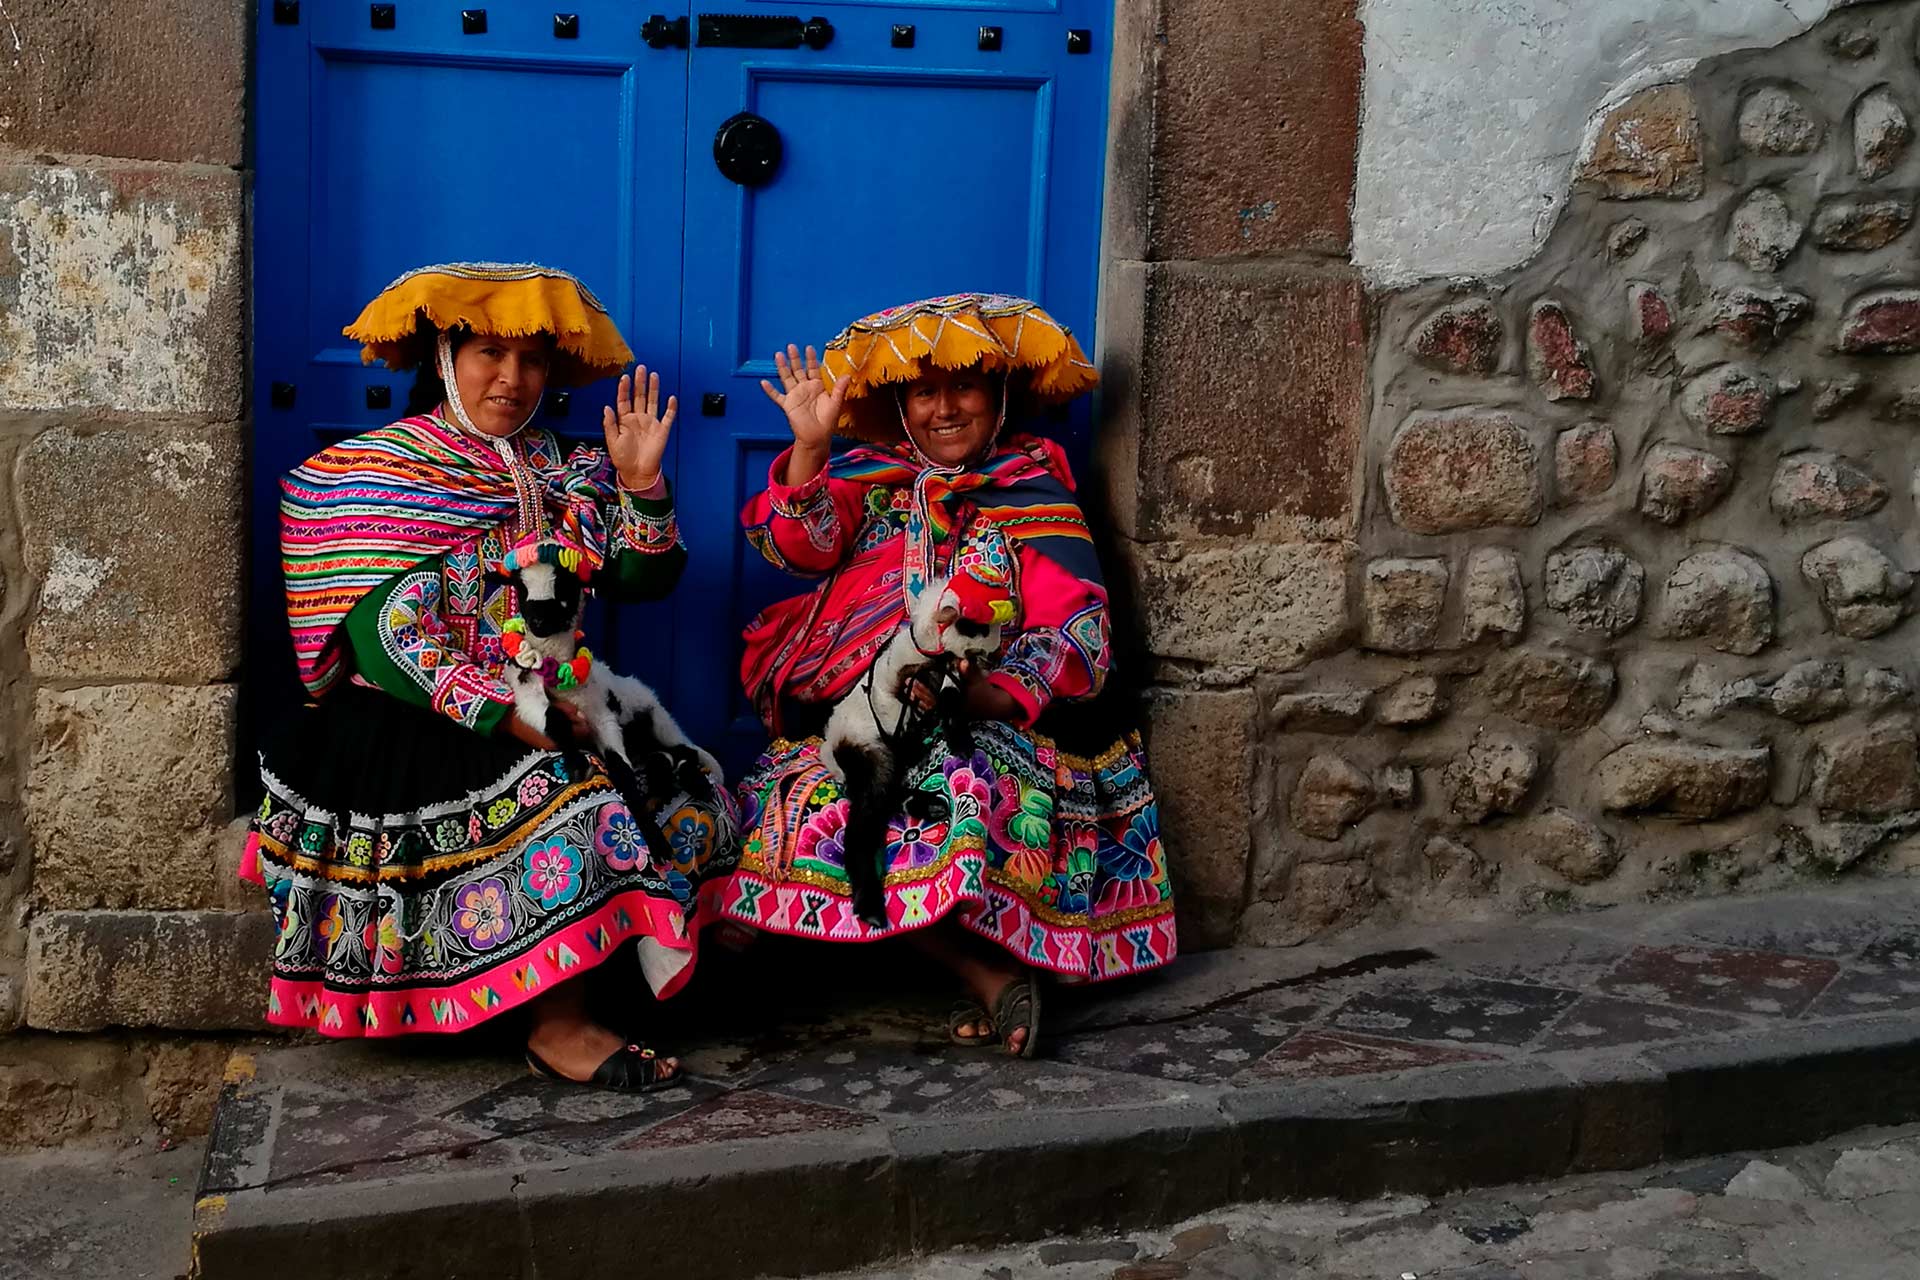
[[1017, 1006], [633, 1069], [969, 1013]]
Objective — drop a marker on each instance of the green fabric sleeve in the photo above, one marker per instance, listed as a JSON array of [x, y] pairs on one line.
[[377, 666], [646, 557]]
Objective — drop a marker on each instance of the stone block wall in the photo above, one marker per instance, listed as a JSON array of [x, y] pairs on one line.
[[1234, 348], [1583, 584], [123, 294]]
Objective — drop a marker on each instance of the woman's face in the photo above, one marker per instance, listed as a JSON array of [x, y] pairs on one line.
[[951, 414], [499, 380]]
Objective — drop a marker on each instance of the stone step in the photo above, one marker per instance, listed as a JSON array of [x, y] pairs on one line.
[[1415, 1062]]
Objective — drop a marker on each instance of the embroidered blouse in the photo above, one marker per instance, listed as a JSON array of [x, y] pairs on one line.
[[1059, 648], [431, 636]]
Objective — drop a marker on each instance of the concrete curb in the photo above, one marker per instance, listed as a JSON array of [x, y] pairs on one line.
[[849, 1198]]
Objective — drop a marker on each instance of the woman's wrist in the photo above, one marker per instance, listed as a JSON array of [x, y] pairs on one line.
[[653, 486], [804, 462]]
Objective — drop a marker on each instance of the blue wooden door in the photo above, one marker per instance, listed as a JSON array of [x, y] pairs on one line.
[[926, 148]]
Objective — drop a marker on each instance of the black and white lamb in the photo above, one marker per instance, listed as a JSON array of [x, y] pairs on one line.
[[876, 734], [629, 727]]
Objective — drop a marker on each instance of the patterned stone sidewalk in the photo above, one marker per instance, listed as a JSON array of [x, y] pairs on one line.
[[1413, 1061]]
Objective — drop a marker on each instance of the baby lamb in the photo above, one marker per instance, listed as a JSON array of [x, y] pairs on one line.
[[626, 719], [875, 733]]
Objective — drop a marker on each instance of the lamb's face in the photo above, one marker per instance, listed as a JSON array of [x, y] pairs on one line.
[[549, 599], [963, 637]]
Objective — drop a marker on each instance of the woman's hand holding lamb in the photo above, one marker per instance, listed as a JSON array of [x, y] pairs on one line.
[[980, 698]]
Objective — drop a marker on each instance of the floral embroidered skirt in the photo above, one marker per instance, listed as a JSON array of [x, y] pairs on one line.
[[427, 878], [1055, 856]]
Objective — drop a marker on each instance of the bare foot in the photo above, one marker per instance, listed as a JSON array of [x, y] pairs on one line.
[[575, 1046]]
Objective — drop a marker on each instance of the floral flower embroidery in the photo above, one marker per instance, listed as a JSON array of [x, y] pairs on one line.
[[690, 832], [534, 788], [919, 843], [475, 832], [331, 924], [360, 849], [750, 807], [553, 872], [1076, 879], [970, 792], [820, 839], [1022, 815], [387, 944], [1027, 867], [617, 838], [1137, 855], [449, 834], [501, 812], [483, 915], [291, 921]]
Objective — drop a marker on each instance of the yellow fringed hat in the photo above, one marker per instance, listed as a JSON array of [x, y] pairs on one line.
[[999, 333], [508, 299]]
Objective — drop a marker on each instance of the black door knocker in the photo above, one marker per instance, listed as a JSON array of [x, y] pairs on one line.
[[747, 149]]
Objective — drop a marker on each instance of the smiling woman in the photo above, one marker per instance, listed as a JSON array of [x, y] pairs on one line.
[[1027, 837], [433, 860]]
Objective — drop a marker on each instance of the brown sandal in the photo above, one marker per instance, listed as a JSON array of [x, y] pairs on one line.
[[1018, 1005]]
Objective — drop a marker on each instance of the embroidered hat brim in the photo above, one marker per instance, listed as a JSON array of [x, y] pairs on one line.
[[509, 300], [997, 332]]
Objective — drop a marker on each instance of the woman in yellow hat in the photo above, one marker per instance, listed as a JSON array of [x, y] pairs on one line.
[[1039, 847], [432, 859]]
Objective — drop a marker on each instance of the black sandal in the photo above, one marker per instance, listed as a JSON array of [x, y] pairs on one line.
[[1018, 1005], [633, 1069], [969, 1013]]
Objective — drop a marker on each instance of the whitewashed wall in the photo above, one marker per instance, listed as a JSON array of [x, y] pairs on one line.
[[1475, 110]]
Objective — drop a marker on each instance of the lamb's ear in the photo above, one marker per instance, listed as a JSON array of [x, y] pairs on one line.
[[946, 615]]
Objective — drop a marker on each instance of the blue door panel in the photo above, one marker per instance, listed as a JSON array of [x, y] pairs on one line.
[[907, 171], [988, 221], [477, 184]]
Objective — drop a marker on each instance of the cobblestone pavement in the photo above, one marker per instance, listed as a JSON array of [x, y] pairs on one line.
[[1848, 1209]]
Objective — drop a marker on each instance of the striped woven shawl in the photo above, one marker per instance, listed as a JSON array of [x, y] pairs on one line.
[[356, 514], [813, 648]]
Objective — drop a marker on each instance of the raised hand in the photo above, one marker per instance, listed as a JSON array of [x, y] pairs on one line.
[[636, 429], [812, 410]]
